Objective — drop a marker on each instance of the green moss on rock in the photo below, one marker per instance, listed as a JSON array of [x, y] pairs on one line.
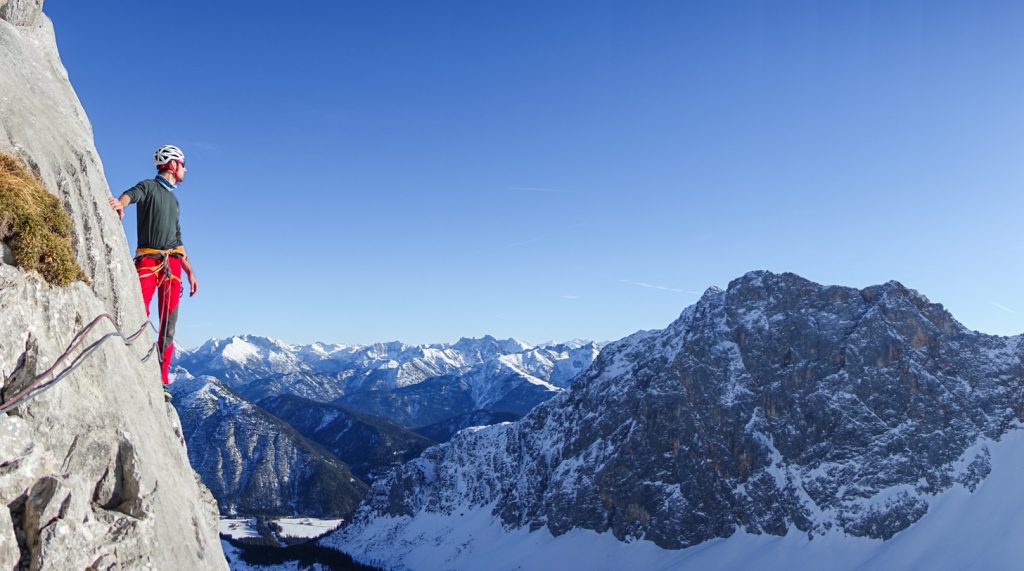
[[35, 226]]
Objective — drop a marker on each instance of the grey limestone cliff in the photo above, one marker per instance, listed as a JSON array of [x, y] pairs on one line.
[[93, 473]]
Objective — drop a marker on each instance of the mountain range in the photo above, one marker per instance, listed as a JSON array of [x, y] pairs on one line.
[[332, 417], [394, 380]]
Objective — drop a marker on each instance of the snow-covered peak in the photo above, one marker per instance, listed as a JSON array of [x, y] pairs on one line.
[[489, 346], [239, 346], [240, 351], [574, 343], [322, 350], [776, 406], [246, 358]]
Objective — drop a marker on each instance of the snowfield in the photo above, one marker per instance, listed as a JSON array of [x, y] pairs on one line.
[[983, 530], [291, 527]]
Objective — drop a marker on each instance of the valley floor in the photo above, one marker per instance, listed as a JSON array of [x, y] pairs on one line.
[[296, 528]]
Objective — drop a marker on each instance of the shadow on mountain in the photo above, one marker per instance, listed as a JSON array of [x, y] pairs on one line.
[[304, 554]]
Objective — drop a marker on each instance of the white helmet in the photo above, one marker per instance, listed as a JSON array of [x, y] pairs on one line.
[[168, 153]]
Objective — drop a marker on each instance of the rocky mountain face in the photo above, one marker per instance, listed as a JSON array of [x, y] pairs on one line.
[[370, 446], [255, 463], [776, 405], [412, 385], [444, 431], [26, 13], [93, 473]]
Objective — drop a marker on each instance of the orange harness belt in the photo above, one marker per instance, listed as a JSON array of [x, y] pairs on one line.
[[162, 266]]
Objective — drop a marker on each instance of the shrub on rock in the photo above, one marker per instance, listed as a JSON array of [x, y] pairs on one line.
[[35, 226]]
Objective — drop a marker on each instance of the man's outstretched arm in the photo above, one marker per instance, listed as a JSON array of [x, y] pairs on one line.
[[193, 284], [118, 204]]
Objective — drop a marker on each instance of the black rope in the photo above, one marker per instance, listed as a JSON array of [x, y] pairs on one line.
[[67, 371], [37, 388]]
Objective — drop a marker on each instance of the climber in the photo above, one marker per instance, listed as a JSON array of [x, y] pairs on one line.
[[160, 255]]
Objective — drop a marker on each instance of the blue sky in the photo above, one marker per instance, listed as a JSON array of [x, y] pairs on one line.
[[421, 171]]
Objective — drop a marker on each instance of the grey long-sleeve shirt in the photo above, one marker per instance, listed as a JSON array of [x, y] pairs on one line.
[[158, 215]]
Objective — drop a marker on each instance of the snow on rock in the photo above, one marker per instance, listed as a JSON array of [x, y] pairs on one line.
[[962, 530], [240, 351], [778, 413]]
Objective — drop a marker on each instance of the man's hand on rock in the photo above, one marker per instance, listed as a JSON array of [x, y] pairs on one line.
[[118, 207]]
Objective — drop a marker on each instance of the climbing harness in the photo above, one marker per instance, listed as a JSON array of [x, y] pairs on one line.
[[163, 275], [41, 384], [162, 266]]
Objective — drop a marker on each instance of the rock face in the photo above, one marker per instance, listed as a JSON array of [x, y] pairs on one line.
[[21, 12], [776, 405], [93, 473], [444, 431]]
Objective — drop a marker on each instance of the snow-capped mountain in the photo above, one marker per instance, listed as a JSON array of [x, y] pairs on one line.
[[242, 359], [778, 406], [255, 463], [245, 359], [557, 364], [409, 384], [497, 385]]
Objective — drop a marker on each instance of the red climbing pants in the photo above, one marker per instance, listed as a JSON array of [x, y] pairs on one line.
[[163, 276]]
